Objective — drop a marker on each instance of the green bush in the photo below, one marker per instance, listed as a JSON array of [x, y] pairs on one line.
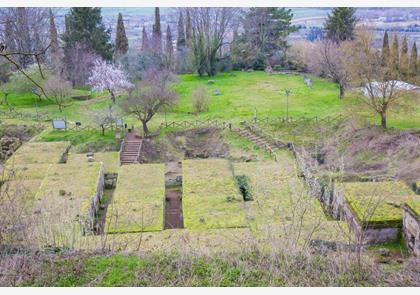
[[243, 184]]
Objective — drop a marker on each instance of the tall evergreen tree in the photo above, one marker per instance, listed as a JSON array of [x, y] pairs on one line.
[[24, 43], [84, 25], [188, 29], [157, 33], [414, 67], [144, 40], [180, 43], [169, 48], [55, 51], [121, 41], [394, 59], [404, 58], [340, 24], [385, 50]]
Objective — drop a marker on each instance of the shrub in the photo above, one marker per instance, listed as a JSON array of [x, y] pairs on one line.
[[242, 182], [200, 100]]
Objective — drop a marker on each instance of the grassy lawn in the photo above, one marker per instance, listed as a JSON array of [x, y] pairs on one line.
[[378, 204], [241, 95], [210, 198], [138, 201]]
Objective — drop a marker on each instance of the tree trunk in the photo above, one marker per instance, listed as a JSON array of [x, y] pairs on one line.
[[383, 120], [103, 130], [341, 91], [145, 129], [112, 95]]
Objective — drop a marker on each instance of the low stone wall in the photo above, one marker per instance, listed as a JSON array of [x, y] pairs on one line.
[[89, 224], [316, 189], [365, 235], [336, 205], [411, 230]]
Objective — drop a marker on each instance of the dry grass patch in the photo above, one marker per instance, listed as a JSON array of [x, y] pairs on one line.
[[109, 159], [281, 203], [65, 202], [39, 153], [138, 201], [210, 196]]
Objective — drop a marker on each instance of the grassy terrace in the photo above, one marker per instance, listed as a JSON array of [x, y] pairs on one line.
[[378, 204], [25, 180], [138, 201], [210, 196], [109, 159], [39, 153], [281, 203], [64, 200]]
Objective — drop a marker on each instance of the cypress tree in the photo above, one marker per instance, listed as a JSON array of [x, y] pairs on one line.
[[404, 58], [340, 24], [188, 30], [121, 41], [144, 40], [395, 61], [169, 47], [157, 33], [413, 68], [55, 52], [385, 50], [180, 43], [84, 25]]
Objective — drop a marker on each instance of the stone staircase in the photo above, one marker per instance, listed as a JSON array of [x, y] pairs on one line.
[[130, 150], [257, 140]]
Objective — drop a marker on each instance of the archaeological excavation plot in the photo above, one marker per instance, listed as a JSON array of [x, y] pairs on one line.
[[109, 159], [375, 208], [211, 198], [68, 199], [138, 200], [40, 153], [173, 195]]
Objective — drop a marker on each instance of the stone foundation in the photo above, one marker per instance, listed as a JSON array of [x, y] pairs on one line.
[[411, 230]]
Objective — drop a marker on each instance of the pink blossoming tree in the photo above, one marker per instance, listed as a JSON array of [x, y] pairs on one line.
[[106, 76]]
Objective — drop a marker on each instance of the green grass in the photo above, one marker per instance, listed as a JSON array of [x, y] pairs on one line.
[[138, 201], [64, 201], [210, 197], [378, 204], [109, 159], [242, 94], [82, 140], [39, 153]]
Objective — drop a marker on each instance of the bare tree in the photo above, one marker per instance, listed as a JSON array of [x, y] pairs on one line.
[[329, 59], [102, 118], [366, 69], [209, 31], [58, 90], [149, 96], [79, 63]]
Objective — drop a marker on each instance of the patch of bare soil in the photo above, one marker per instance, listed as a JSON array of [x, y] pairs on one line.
[[189, 144], [12, 137], [370, 151]]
